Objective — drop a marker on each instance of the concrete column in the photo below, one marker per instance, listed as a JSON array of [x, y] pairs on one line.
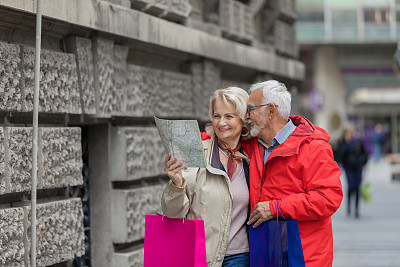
[[100, 196], [329, 81]]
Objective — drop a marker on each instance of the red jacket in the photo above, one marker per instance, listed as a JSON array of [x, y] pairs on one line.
[[301, 173]]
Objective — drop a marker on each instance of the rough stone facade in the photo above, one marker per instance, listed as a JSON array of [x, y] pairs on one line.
[[12, 237], [10, 80], [130, 208], [59, 158], [108, 67], [158, 92], [58, 86], [60, 233], [82, 48], [138, 152]]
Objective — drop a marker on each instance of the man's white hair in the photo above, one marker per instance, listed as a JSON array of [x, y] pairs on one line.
[[276, 93]]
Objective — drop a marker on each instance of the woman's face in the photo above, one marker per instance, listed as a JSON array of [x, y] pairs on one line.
[[227, 125]]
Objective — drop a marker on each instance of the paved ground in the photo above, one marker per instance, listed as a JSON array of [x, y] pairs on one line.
[[374, 238]]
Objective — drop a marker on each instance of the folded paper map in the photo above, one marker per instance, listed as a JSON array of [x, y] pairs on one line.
[[182, 139]]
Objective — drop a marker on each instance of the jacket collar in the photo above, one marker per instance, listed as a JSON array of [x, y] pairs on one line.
[[212, 157], [303, 132]]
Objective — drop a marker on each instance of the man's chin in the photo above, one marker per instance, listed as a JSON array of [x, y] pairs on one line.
[[254, 131]]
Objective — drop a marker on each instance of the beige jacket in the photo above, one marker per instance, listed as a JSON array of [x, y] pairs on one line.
[[206, 195]]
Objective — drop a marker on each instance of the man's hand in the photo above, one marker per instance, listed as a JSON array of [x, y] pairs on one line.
[[260, 214]]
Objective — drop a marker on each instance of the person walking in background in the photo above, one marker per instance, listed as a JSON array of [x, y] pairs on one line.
[[219, 193], [377, 139], [292, 162], [352, 154]]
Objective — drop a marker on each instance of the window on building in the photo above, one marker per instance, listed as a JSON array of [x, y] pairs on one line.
[[377, 15], [344, 24], [344, 17], [312, 16]]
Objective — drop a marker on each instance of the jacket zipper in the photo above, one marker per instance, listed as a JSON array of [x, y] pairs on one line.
[[263, 180]]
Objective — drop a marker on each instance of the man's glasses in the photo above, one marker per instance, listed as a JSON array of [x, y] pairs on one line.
[[250, 108]]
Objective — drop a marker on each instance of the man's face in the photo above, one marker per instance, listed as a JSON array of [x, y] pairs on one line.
[[257, 114]]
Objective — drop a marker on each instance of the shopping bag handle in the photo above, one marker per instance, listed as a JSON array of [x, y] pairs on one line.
[[278, 211], [162, 215]]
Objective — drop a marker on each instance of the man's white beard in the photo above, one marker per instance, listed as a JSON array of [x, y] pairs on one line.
[[255, 130]]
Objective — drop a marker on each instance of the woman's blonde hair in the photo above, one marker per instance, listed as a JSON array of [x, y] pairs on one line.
[[238, 98]]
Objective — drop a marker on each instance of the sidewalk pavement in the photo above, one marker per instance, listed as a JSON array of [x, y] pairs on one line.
[[374, 238]]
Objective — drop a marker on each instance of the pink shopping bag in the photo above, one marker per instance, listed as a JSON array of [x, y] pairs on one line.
[[174, 242]]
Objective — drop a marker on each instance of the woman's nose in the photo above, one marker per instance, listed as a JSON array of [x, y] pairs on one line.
[[222, 121]]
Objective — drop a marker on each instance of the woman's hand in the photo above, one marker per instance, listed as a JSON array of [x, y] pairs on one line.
[[174, 170]]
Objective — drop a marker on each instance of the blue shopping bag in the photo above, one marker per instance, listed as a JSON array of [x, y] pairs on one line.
[[276, 243]]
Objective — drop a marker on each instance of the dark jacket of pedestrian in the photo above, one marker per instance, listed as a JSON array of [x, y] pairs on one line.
[[352, 154]]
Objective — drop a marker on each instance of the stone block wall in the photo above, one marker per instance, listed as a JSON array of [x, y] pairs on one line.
[[129, 210], [97, 80], [12, 237], [58, 86], [236, 20], [158, 92], [82, 48], [59, 91], [10, 80], [138, 152], [92, 78], [60, 233], [285, 40], [59, 158]]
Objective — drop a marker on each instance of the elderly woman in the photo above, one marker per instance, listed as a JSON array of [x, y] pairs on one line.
[[219, 193]]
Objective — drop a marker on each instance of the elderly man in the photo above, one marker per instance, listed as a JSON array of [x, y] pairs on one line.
[[291, 161]]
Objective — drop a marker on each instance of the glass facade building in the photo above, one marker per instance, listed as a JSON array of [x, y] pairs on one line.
[[348, 21]]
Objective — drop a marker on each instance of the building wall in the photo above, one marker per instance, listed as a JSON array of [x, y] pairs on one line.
[[108, 67], [329, 83]]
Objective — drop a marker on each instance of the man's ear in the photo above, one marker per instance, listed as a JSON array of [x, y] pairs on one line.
[[270, 111]]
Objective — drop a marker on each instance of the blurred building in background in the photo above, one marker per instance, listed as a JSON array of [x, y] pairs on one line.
[[348, 47], [107, 67]]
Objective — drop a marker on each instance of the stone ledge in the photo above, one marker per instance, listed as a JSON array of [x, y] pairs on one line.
[[131, 258]]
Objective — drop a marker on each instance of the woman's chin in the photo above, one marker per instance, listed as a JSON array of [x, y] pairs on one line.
[[226, 136]]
